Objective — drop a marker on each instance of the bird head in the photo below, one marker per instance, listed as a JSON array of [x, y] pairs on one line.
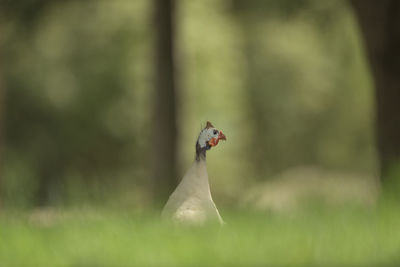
[[210, 136]]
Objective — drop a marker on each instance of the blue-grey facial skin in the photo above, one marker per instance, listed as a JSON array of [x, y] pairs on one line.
[[206, 135], [202, 144]]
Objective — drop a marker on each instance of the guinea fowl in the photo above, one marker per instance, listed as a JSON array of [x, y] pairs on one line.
[[191, 202]]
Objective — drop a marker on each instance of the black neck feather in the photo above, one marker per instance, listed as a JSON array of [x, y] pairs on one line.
[[200, 152]]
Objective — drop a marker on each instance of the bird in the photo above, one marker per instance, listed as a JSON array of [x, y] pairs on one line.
[[191, 202]]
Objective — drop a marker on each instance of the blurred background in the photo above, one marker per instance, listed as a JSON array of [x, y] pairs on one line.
[[102, 101]]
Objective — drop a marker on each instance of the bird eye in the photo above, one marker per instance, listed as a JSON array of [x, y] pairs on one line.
[[215, 132]]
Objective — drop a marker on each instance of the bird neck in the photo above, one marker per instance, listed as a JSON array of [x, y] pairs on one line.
[[200, 152], [199, 177]]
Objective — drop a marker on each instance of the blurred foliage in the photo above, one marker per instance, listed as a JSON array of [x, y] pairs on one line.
[[309, 96], [345, 237], [285, 80], [75, 109]]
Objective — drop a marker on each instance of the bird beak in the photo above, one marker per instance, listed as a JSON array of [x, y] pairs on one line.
[[221, 136], [214, 141]]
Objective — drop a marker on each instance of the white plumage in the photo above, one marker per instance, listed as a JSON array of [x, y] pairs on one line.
[[191, 202]]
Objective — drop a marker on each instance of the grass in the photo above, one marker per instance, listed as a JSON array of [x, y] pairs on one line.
[[313, 237]]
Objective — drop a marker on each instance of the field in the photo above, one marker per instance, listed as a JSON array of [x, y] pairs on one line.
[[316, 236]]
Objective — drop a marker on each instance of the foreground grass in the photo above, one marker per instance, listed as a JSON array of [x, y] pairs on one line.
[[315, 237]]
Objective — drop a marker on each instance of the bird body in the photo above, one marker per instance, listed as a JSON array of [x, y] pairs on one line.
[[191, 202]]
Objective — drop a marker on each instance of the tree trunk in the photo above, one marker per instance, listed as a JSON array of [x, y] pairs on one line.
[[2, 109], [165, 130], [380, 26]]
